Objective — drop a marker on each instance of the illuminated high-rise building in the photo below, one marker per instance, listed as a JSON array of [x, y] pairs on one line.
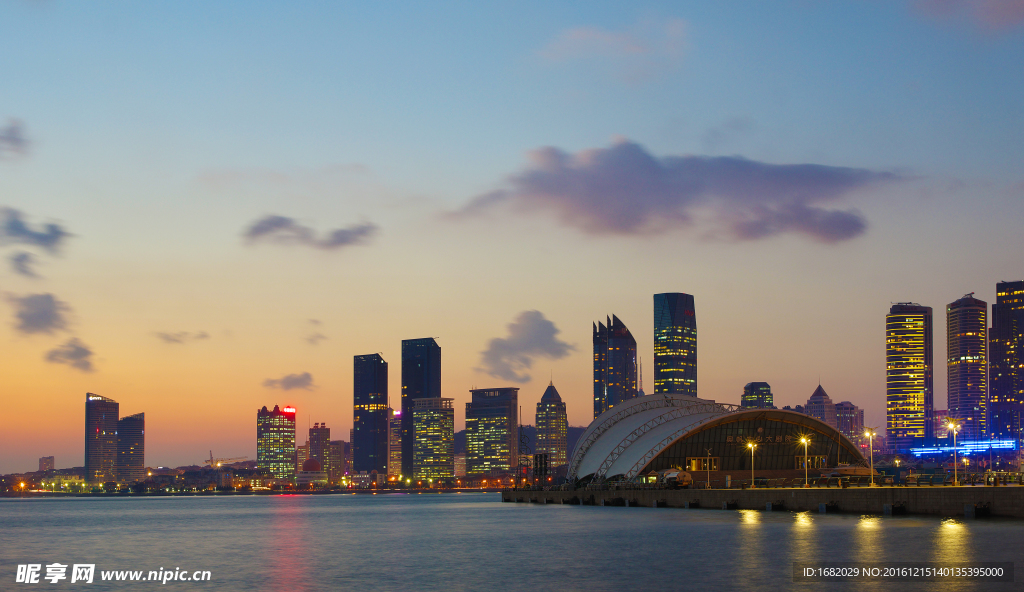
[[908, 375], [131, 448], [492, 431], [552, 427], [370, 417], [421, 379], [1006, 363], [967, 365], [615, 369], [394, 442], [820, 406], [275, 441], [45, 464], [675, 344], [337, 466], [850, 421], [434, 445], [100, 439], [319, 446], [757, 395]]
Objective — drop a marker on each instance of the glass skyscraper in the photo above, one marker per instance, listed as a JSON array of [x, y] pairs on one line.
[[675, 344], [1006, 362], [492, 431], [370, 417], [421, 379], [434, 445], [909, 393], [615, 371], [275, 441], [552, 427], [319, 446], [100, 439], [757, 395], [131, 448], [967, 365]]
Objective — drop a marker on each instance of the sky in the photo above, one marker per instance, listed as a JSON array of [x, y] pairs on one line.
[[209, 208]]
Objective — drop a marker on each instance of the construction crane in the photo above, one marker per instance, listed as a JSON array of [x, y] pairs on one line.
[[216, 462]]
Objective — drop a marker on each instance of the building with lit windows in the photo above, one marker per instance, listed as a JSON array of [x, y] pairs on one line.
[[370, 417], [1006, 363], [492, 431], [421, 379], [394, 442], [615, 367], [131, 448], [967, 365], [275, 441], [434, 430], [552, 427], [675, 344], [319, 446], [757, 395], [337, 467], [45, 463], [909, 389], [100, 439], [850, 421], [820, 406]]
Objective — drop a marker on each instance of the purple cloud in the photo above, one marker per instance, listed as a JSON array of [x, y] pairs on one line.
[[14, 230], [74, 353], [995, 16], [292, 381], [283, 230], [12, 138], [22, 262], [182, 336], [632, 54], [530, 336], [39, 313], [625, 190]]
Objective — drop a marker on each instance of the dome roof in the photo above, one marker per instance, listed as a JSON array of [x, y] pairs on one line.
[[551, 395], [312, 466]]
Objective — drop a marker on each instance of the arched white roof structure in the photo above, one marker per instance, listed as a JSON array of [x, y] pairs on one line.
[[622, 440]]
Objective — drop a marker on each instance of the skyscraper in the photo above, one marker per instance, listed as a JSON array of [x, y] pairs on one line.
[[336, 463], [850, 420], [275, 441], [131, 448], [552, 427], [967, 365], [1006, 362], [908, 376], [421, 379], [615, 372], [757, 395], [370, 418], [100, 438], [319, 446], [492, 431], [675, 344], [820, 406], [45, 464], [394, 442], [434, 432]]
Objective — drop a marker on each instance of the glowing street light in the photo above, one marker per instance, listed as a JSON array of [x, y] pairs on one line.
[[954, 427], [752, 446], [805, 442], [870, 433]]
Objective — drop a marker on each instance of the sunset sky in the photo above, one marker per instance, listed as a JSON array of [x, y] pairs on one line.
[[210, 207]]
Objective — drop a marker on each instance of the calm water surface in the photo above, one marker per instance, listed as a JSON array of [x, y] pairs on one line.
[[474, 542]]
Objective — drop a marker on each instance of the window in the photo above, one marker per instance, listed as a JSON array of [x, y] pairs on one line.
[[700, 463]]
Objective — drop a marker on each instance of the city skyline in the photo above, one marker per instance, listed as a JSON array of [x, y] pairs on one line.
[[225, 219]]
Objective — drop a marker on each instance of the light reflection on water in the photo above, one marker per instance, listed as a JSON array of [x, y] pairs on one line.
[[473, 542]]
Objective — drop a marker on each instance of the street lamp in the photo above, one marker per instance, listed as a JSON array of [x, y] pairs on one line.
[[871, 450], [752, 446], [954, 427], [805, 442]]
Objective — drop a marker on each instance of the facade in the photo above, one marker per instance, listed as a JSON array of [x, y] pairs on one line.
[[675, 344], [434, 431], [850, 421], [909, 389], [275, 441], [421, 379], [820, 406], [757, 395], [370, 416], [337, 467], [394, 442], [492, 431], [615, 365], [100, 438], [319, 446], [967, 365], [45, 464], [460, 464], [552, 428], [131, 448], [1006, 363]]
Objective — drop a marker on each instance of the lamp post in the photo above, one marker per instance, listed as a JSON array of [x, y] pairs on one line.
[[752, 447], [805, 442], [871, 452], [954, 427]]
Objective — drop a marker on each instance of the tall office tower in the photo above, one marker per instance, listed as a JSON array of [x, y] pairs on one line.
[[45, 464], [492, 431], [1006, 362], [394, 442], [370, 420], [967, 365], [434, 432], [131, 448], [552, 427], [820, 405], [615, 376], [301, 455], [850, 421], [675, 344], [319, 445], [757, 395], [275, 441], [908, 376], [336, 459], [421, 379], [100, 439]]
